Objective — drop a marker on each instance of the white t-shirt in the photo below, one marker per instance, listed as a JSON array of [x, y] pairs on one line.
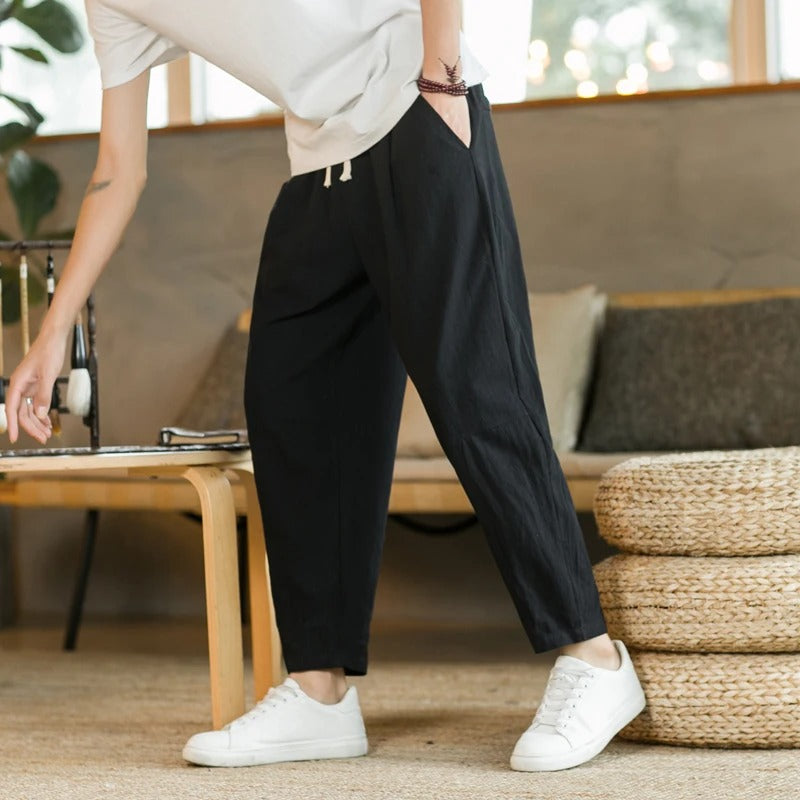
[[343, 71]]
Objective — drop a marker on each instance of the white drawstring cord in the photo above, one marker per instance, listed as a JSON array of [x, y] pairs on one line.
[[347, 173]]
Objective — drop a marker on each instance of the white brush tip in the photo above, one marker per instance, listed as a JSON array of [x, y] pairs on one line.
[[3, 418], [79, 392]]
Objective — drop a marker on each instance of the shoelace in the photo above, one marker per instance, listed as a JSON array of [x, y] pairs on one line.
[[274, 697], [564, 687]]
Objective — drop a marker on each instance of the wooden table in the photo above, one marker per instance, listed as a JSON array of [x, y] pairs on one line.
[[209, 469]]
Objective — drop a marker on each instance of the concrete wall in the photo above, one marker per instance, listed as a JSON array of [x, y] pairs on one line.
[[688, 193]]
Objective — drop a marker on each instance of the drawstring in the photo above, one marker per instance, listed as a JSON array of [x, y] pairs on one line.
[[347, 174]]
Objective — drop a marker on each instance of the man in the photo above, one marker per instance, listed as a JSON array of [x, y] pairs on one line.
[[404, 258]]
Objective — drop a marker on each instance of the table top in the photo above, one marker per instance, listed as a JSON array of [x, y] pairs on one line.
[[73, 459]]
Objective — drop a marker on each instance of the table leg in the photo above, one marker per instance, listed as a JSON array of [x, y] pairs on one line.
[[226, 658], [267, 665]]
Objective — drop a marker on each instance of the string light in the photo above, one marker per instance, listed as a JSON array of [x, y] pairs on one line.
[[626, 86], [538, 60], [539, 51], [535, 72], [637, 73], [584, 32], [659, 56], [575, 60], [710, 70]]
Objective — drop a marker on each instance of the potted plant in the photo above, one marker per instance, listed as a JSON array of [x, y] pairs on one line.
[[33, 186]]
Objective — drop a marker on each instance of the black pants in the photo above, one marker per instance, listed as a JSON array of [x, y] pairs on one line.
[[413, 264]]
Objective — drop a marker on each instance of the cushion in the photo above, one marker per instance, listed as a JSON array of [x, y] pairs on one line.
[[416, 436], [565, 329], [589, 466], [217, 403], [709, 604], [663, 505], [697, 377], [424, 468], [747, 700], [592, 466]]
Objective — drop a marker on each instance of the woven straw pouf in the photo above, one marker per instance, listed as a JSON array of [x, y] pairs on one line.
[[707, 593], [727, 502], [698, 605], [718, 700]]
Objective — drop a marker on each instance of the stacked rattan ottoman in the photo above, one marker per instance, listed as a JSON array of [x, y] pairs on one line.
[[706, 593]]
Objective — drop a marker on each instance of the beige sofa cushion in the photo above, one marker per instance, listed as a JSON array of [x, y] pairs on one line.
[[565, 328], [416, 436], [575, 465]]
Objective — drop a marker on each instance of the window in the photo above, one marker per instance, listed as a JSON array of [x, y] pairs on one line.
[[67, 90], [532, 48], [785, 39], [589, 47], [217, 95]]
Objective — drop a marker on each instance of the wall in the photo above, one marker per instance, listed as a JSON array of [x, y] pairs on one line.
[[677, 193]]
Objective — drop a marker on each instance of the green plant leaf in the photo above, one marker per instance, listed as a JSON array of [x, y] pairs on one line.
[[34, 117], [9, 272], [54, 23], [14, 134], [34, 187], [32, 53]]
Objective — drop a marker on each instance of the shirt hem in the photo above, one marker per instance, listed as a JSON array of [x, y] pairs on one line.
[[331, 156]]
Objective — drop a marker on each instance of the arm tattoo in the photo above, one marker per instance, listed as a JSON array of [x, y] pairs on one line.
[[97, 187]]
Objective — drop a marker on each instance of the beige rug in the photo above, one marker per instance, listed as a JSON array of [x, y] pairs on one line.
[[442, 715]]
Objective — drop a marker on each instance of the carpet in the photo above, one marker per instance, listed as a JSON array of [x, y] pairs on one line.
[[442, 714]]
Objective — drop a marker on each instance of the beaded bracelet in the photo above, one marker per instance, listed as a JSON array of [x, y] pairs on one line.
[[427, 85], [454, 86]]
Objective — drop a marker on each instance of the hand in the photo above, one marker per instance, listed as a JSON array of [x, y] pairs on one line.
[[34, 378], [454, 110]]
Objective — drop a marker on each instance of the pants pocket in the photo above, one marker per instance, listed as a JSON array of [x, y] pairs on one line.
[[476, 103]]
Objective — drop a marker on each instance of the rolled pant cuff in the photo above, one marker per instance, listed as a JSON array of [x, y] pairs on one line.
[[542, 644], [299, 662]]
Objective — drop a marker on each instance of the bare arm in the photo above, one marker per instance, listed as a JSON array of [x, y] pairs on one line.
[[111, 197], [441, 23]]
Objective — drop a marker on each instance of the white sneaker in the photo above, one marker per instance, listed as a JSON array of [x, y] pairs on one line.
[[582, 709], [287, 725]]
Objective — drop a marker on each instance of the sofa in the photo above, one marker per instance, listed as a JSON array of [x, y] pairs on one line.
[[622, 375], [636, 374], [608, 364]]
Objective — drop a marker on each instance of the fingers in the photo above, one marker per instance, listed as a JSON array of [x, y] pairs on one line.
[[41, 401], [40, 426], [36, 427], [20, 412], [12, 410]]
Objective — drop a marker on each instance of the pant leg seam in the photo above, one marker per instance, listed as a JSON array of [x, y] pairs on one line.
[[505, 321], [495, 281]]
